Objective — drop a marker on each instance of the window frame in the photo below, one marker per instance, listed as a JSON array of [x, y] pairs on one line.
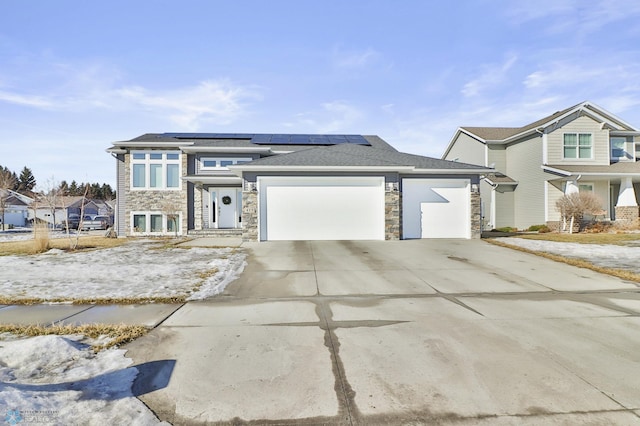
[[147, 218], [219, 160], [624, 141], [147, 162], [577, 146]]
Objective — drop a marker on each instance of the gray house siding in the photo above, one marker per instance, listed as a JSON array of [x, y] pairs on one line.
[[467, 150], [580, 125], [523, 164]]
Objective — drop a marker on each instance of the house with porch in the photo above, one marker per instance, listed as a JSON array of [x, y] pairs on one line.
[[290, 187], [581, 148]]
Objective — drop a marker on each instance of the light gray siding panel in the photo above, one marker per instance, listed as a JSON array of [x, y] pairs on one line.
[[121, 200], [523, 164], [582, 125], [497, 155], [504, 209], [554, 193], [466, 149]]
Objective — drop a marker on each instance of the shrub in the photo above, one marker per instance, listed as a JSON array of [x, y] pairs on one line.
[[544, 229], [506, 229], [535, 228], [597, 227]]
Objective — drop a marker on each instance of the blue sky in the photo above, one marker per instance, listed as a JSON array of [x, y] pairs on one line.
[[76, 75]]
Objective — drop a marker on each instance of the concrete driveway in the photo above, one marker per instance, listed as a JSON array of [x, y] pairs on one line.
[[404, 332]]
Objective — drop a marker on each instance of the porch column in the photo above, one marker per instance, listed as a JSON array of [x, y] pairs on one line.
[[627, 207], [571, 187], [627, 195]]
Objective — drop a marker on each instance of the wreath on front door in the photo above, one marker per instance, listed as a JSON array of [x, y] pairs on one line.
[[226, 200]]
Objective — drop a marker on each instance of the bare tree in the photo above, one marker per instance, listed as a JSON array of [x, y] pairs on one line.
[[50, 197], [171, 210], [575, 206], [74, 244], [7, 183]]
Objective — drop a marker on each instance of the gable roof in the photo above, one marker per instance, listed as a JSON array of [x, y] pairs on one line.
[[355, 157], [508, 134]]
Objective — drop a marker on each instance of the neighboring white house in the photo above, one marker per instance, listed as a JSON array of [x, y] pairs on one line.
[[291, 187], [581, 148], [16, 210]]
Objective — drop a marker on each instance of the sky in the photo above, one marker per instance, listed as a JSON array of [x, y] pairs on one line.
[[76, 76]]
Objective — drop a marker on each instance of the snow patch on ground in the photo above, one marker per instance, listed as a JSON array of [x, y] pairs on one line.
[[608, 256], [60, 380], [138, 269]]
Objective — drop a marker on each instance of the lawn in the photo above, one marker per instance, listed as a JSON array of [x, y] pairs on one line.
[[122, 271], [621, 239], [28, 246]]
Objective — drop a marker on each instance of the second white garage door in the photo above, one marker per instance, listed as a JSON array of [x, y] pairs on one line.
[[436, 208], [321, 208]]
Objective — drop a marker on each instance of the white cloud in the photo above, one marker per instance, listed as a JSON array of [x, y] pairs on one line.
[[574, 16], [77, 88], [209, 102], [26, 100], [354, 59], [491, 76], [331, 117]]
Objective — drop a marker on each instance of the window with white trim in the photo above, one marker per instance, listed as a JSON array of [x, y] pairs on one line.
[[618, 147], [154, 223], [155, 170], [578, 146], [217, 163]]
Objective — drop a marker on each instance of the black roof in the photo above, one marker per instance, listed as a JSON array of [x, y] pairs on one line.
[[357, 155]]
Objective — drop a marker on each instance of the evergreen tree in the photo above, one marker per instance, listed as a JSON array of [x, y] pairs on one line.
[[64, 188], [73, 188], [26, 181]]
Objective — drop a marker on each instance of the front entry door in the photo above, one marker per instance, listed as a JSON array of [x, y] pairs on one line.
[[227, 203]]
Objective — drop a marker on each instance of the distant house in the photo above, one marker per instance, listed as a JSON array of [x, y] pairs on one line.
[[581, 148], [16, 211], [291, 187], [69, 205]]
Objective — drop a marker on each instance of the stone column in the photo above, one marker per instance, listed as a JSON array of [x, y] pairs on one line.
[[627, 206], [250, 216], [197, 207], [476, 215], [392, 201]]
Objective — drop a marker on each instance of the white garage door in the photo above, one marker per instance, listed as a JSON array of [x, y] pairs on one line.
[[436, 208], [322, 208]]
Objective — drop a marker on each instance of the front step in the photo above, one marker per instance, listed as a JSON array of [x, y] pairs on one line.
[[212, 232]]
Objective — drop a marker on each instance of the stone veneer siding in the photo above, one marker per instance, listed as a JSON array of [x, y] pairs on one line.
[[628, 214], [476, 218], [250, 216], [145, 200], [197, 207], [392, 216]]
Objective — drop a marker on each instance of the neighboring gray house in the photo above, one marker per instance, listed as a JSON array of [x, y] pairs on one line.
[[581, 148], [291, 187], [16, 208]]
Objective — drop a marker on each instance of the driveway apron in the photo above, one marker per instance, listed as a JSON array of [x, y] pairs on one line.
[[397, 332]]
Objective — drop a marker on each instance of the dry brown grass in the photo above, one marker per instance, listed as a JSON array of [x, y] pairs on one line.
[[619, 239], [95, 301], [118, 334], [620, 273], [26, 247], [40, 242]]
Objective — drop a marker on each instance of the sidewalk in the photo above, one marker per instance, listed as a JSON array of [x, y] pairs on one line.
[[149, 315]]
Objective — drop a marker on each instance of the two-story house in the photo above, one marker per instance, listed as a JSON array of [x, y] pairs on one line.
[[290, 187], [581, 148]]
